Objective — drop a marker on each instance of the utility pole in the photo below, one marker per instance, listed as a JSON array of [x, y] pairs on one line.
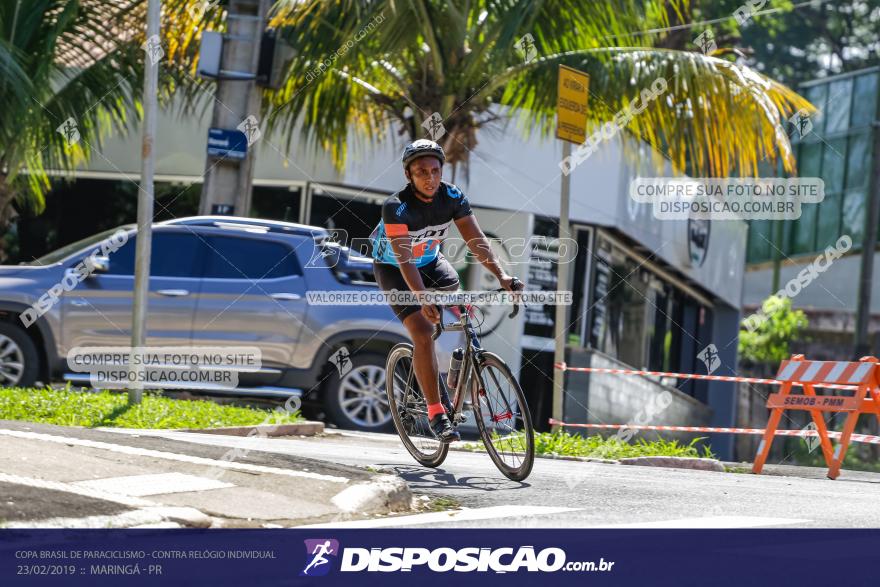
[[152, 59], [562, 268], [227, 187], [571, 127], [869, 243]]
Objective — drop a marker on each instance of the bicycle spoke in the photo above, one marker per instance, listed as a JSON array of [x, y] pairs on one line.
[[411, 408], [501, 415]]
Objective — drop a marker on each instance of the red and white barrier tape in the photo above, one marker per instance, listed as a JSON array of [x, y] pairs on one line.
[[565, 367], [760, 431]]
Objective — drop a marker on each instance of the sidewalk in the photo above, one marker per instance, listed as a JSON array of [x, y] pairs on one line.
[[54, 476]]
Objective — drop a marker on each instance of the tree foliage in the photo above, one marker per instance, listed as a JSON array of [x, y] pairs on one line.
[[365, 63], [769, 339], [792, 41]]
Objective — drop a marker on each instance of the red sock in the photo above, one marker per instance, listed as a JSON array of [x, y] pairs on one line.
[[434, 409]]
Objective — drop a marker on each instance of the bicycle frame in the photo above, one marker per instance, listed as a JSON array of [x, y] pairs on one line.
[[470, 366]]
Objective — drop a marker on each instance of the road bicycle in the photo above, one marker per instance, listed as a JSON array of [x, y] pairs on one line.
[[497, 403]]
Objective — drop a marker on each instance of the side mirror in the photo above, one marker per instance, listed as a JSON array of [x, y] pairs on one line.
[[101, 264]]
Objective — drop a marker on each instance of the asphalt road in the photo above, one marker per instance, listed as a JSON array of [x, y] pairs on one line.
[[578, 494]]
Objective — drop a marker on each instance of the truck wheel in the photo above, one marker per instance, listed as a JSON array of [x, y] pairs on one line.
[[19, 361], [355, 398]]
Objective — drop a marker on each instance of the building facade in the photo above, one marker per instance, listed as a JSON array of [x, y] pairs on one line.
[[836, 145]]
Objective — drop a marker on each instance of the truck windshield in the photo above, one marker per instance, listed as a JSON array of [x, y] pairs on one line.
[[67, 250]]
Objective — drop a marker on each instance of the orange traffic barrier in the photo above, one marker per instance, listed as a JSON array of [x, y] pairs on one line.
[[864, 374]]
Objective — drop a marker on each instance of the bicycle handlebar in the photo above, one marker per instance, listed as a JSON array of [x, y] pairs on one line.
[[438, 328]]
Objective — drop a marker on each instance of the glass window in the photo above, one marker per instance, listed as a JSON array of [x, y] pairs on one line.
[[660, 325], [122, 261], [759, 241], [828, 221], [865, 99], [622, 317], [804, 231], [810, 159], [232, 257], [777, 238], [853, 214], [859, 158], [172, 255], [817, 96], [786, 248], [86, 245], [839, 97], [632, 312], [833, 160]]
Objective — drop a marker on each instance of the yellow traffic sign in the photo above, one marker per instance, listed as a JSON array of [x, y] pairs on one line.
[[571, 105]]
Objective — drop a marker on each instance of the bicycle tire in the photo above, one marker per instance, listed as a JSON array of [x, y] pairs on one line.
[[493, 361], [434, 458]]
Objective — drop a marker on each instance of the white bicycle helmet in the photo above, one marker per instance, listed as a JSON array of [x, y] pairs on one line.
[[422, 148]]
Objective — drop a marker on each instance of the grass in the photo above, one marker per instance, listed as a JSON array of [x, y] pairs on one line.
[[738, 470], [69, 407], [565, 444], [442, 504]]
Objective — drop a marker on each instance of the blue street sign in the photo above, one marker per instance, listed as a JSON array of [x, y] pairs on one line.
[[229, 143]]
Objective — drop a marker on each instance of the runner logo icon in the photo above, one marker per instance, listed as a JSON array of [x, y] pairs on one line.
[[318, 550]]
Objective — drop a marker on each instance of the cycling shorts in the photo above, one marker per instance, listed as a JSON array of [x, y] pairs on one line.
[[438, 274]]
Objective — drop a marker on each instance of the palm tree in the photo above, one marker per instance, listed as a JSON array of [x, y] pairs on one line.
[[363, 63], [62, 58], [71, 71]]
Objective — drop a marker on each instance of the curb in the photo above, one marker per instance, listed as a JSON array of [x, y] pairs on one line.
[[385, 493], [699, 464], [308, 428], [693, 463], [144, 517], [579, 459]]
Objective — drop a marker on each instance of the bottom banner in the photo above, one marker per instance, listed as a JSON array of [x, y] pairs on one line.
[[465, 556]]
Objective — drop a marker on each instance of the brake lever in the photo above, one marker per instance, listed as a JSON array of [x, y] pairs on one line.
[[516, 282]]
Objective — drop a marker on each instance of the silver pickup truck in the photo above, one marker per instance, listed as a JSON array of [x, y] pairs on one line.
[[215, 281]]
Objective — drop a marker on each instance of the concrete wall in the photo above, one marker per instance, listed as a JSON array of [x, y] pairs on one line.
[[598, 398], [834, 289], [181, 143]]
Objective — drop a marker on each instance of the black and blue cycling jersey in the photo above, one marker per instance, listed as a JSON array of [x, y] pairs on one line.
[[426, 223]]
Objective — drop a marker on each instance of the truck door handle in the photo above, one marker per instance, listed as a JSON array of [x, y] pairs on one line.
[[285, 296], [174, 293]]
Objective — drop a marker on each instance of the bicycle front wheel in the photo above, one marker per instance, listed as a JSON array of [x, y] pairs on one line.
[[409, 409], [503, 418]]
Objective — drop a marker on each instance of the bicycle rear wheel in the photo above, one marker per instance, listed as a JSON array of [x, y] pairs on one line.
[[503, 418], [409, 409]]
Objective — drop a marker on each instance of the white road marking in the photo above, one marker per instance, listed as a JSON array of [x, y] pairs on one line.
[[156, 454], [70, 488], [711, 522], [157, 484], [489, 513]]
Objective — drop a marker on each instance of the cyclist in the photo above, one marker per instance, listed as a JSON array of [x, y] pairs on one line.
[[406, 257]]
